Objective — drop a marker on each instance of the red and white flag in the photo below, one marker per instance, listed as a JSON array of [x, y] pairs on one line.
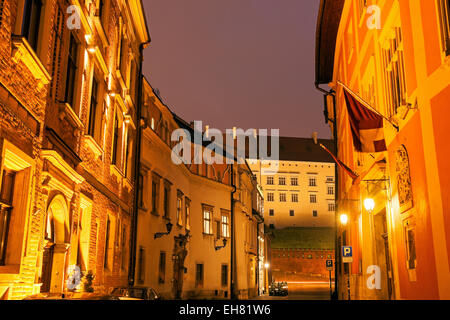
[[366, 125]]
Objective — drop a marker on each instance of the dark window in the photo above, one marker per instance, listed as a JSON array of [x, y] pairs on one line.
[[6, 197], [444, 10], [271, 212], [101, 8], [93, 110], [141, 190], [162, 267], [166, 202], [315, 213], [199, 275], [224, 276], [71, 71], [155, 198], [115, 141], [411, 248], [218, 233], [31, 21], [291, 213], [108, 231], [141, 266], [124, 247], [271, 226]]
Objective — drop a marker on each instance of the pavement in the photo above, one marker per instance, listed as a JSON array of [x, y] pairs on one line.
[[307, 290]]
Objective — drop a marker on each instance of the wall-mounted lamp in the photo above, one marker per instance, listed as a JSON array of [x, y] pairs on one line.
[[161, 234], [223, 246], [369, 204], [91, 49], [267, 265], [344, 219]]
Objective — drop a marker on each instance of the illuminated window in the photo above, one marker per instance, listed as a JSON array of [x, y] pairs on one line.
[[444, 12], [71, 73], [188, 213], [6, 206], [179, 208], [225, 225], [207, 221]]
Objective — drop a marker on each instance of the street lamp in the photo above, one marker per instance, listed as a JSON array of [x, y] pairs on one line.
[[266, 265], [161, 234], [344, 219], [369, 204], [224, 245]]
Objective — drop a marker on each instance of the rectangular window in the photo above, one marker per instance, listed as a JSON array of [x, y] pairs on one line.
[[225, 225], [270, 197], [331, 207], [411, 248], [294, 181], [224, 275], [282, 197], [294, 197], [444, 12], [312, 182], [31, 22], [282, 181], [107, 241], [315, 213], [124, 248], [270, 180], [179, 208], [141, 266], [271, 212], [141, 191], [166, 202], [188, 213], [199, 275], [6, 198], [207, 221], [291, 213], [313, 198], [155, 195], [394, 75], [71, 74], [330, 190], [162, 267], [93, 110], [115, 154]]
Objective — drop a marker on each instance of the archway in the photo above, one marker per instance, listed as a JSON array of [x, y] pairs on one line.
[[56, 244]]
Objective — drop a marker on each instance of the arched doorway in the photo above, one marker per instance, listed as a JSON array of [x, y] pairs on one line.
[[55, 245]]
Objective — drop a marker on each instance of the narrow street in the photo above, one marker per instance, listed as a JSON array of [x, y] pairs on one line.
[[303, 291]]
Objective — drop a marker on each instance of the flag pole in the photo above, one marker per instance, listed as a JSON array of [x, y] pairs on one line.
[[367, 105]]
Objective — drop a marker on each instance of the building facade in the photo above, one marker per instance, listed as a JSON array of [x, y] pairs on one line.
[[197, 227], [301, 193], [395, 57], [70, 78]]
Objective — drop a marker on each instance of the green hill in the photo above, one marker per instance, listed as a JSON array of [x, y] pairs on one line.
[[303, 238]]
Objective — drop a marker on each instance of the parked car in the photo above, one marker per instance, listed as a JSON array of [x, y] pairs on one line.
[[278, 289], [135, 293], [71, 296]]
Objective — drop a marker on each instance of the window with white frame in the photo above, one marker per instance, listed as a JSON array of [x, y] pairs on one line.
[[225, 225], [207, 220]]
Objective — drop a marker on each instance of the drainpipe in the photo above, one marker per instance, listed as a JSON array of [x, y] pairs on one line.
[[337, 260], [137, 170], [233, 246]]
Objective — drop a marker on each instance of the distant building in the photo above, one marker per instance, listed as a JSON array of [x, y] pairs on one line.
[[302, 192]]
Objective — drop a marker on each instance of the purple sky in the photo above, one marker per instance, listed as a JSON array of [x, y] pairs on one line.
[[243, 63]]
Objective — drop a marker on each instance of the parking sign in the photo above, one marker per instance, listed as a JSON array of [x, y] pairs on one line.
[[329, 265], [347, 254]]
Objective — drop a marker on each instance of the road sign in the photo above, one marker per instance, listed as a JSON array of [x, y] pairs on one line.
[[329, 265], [347, 254]]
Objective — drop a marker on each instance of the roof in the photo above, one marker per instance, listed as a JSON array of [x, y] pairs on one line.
[[300, 149], [329, 18], [303, 238]]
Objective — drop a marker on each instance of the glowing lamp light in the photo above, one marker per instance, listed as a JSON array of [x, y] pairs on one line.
[[266, 265], [369, 204], [344, 219]]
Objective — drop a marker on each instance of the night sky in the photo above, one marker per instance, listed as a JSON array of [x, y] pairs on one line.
[[243, 63]]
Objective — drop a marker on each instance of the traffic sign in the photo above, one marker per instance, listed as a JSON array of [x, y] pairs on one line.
[[347, 254], [329, 265]]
